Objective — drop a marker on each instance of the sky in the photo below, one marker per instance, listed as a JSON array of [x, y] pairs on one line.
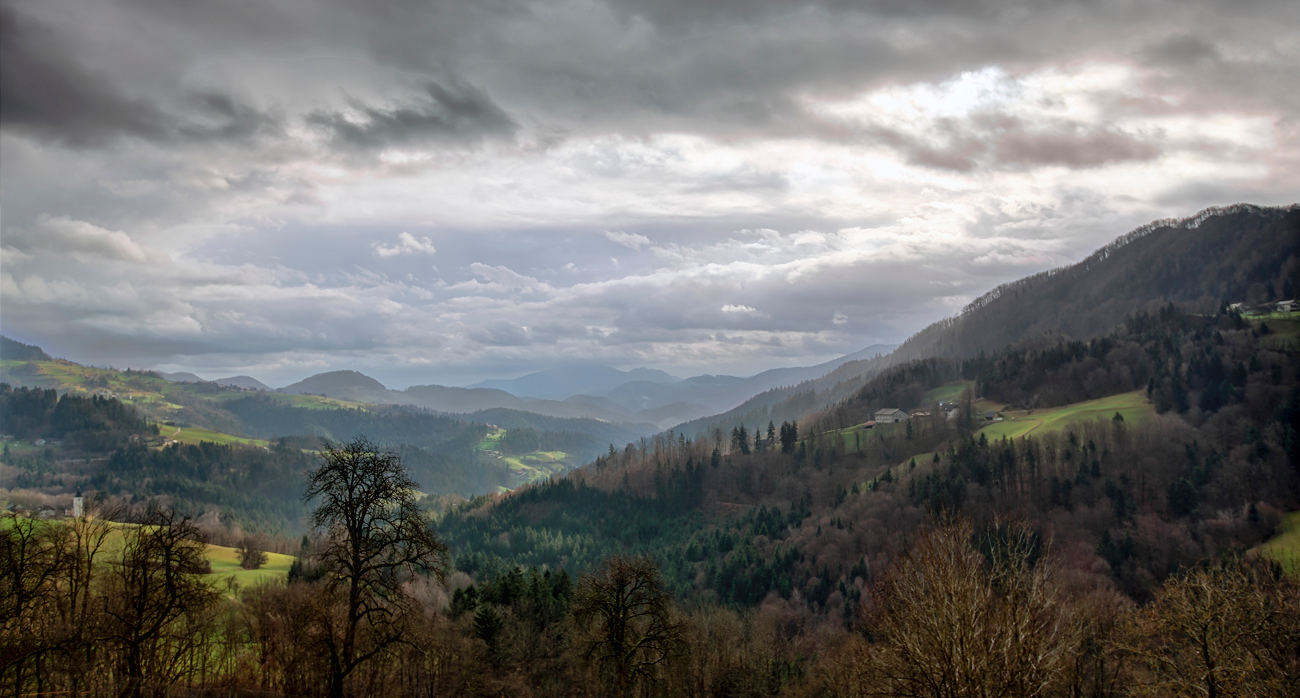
[[445, 191]]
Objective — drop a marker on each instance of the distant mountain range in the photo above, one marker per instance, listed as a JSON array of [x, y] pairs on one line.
[[564, 382], [244, 382], [638, 396]]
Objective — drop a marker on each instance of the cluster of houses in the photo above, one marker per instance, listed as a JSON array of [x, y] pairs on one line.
[[1286, 306], [76, 511], [894, 415]]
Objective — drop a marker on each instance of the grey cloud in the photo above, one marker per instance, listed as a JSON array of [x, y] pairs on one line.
[[1184, 49], [456, 113], [676, 13], [45, 90], [1003, 142], [502, 334]]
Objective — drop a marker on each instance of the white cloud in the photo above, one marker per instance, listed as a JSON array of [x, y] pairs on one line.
[[407, 244], [630, 240], [734, 308]]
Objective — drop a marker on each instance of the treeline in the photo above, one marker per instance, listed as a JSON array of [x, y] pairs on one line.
[[98, 609], [256, 488], [86, 423], [1184, 362]]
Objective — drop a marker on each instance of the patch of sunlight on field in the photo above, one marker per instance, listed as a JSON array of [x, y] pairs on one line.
[[1133, 407], [1284, 547], [492, 441], [225, 564], [196, 435]]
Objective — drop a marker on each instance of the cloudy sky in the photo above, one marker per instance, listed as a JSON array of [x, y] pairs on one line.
[[440, 191]]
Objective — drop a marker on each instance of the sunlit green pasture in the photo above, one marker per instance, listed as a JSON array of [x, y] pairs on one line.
[[196, 435], [492, 441], [1133, 407], [1284, 547], [224, 560]]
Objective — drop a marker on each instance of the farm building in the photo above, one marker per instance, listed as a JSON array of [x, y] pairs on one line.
[[890, 415], [1286, 306]]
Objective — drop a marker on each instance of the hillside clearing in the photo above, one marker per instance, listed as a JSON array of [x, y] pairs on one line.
[[948, 392], [1284, 547], [1133, 407], [193, 436]]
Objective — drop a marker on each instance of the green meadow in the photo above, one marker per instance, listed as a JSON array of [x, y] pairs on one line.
[[225, 566], [1133, 407], [224, 560], [196, 435], [1284, 547]]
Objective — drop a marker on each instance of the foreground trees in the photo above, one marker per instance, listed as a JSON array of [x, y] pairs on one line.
[[1231, 629], [154, 602], [957, 621], [967, 611], [376, 541], [80, 620], [627, 625]]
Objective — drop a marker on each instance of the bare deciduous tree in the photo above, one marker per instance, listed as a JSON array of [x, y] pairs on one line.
[[627, 621], [1232, 629], [956, 622], [376, 540], [152, 598]]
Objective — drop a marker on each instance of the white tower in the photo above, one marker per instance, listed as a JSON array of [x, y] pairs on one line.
[[78, 506]]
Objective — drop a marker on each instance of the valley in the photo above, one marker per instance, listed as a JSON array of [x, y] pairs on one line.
[[1108, 459]]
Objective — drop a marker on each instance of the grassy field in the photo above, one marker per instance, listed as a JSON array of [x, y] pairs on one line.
[[525, 468], [195, 435], [224, 561], [948, 392], [1285, 546], [225, 565], [491, 442], [538, 465], [1134, 407]]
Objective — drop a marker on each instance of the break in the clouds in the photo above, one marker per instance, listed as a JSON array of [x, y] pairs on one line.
[[443, 191]]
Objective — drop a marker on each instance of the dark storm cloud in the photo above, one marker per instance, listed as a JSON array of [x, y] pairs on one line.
[[46, 91], [458, 112], [687, 12]]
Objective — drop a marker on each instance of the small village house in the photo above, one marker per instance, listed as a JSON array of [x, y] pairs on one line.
[[890, 415]]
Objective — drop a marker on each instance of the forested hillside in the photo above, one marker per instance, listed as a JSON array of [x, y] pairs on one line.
[[733, 519], [1235, 254], [246, 461]]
